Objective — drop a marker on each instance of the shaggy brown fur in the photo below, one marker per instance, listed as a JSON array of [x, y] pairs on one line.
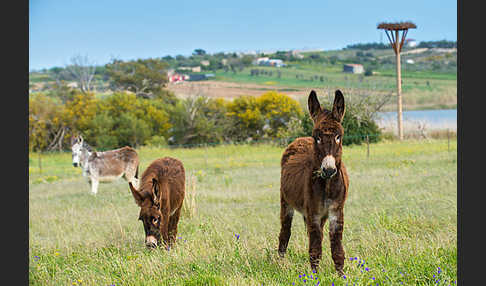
[[160, 197], [314, 182]]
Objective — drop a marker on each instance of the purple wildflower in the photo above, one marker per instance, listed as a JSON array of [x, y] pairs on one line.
[[237, 236], [367, 269]]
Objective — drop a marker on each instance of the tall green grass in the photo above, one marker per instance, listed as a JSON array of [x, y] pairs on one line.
[[400, 221]]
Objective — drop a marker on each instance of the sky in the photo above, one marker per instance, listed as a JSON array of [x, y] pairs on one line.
[[103, 30]]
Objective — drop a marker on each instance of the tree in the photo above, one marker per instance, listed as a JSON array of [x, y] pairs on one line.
[[46, 128], [82, 71], [145, 78], [199, 52]]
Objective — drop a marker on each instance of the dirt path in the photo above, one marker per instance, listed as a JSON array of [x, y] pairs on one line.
[[230, 90]]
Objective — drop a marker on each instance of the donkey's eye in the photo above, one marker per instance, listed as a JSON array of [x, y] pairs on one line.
[[155, 220], [318, 140], [338, 138]]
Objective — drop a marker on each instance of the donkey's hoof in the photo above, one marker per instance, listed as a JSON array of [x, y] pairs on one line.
[[340, 272], [314, 266], [281, 254]]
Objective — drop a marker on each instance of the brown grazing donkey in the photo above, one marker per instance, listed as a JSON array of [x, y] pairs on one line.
[[315, 183], [160, 197]]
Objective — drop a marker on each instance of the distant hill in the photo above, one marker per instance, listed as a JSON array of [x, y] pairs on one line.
[[429, 59]]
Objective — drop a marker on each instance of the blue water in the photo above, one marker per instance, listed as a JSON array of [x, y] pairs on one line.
[[443, 118]]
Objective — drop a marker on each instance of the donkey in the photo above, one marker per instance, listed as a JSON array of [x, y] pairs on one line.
[[314, 182], [160, 199], [104, 166]]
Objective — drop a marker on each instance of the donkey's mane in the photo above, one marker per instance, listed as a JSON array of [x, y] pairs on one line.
[[87, 147]]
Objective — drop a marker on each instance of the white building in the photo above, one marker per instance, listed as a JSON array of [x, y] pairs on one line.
[[410, 43], [353, 68]]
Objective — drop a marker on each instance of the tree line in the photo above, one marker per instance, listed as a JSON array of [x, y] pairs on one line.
[[123, 119]]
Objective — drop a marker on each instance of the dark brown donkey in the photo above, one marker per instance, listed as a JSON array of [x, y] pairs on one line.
[[315, 183], [160, 197]]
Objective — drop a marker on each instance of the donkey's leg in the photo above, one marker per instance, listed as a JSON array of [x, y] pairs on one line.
[[130, 176], [94, 185], [173, 221], [336, 222], [164, 229], [286, 215], [314, 232]]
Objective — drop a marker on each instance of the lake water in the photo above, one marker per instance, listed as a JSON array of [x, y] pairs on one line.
[[433, 119]]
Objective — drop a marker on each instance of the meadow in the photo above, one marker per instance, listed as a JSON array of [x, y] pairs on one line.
[[400, 221], [420, 89]]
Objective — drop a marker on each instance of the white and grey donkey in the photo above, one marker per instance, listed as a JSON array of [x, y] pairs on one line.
[[105, 166]]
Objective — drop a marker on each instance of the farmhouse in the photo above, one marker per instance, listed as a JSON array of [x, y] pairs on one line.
[[175, 77], [410, 43], [265, 61], [353, 68]]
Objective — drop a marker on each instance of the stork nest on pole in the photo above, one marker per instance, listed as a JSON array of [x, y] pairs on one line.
[[397, 26]]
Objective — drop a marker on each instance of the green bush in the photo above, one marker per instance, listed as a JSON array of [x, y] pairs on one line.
[[197, 120], [100, 133], [355, 130]]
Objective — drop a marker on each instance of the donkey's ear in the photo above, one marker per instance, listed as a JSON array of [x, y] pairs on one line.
[[74, 139], [136, 195], [155, 186], [313, 105], [339, 107]]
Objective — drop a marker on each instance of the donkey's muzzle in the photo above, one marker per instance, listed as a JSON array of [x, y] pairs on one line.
[[150, 242], [75, 164], [328, 173]]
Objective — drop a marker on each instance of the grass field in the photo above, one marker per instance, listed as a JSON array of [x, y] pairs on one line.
[[400, 221], [420, 90]]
